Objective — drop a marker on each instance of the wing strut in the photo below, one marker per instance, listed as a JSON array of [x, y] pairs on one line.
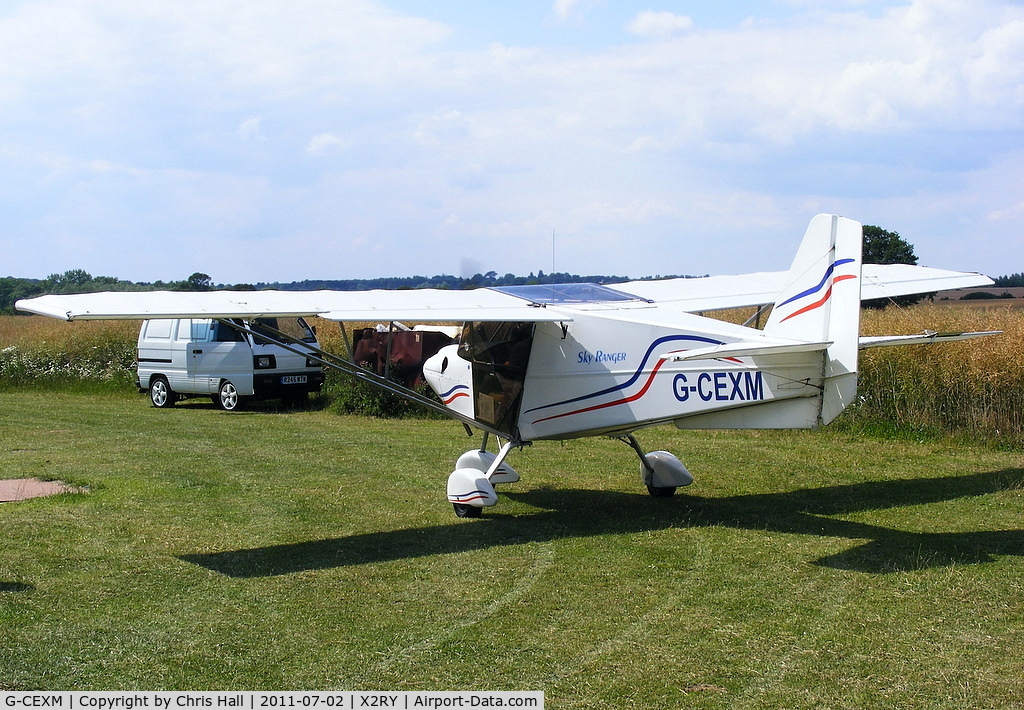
[[754, 321], [335, 362]]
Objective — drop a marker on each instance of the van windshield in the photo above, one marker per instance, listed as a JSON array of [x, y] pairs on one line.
[[296, 328]]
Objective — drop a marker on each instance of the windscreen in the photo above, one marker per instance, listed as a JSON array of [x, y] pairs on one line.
[[553, 294]]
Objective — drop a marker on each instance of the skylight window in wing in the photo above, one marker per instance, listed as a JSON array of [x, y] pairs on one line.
[[554, 294]]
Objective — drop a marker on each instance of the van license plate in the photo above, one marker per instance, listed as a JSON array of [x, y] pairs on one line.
[[293, 380]]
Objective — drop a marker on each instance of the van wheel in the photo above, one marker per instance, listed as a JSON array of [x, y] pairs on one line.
[[227, 397], [160, 393]]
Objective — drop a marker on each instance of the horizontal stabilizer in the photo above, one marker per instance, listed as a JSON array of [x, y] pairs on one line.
[[710, 293], [891, 280], [925, 338], [744, 349]]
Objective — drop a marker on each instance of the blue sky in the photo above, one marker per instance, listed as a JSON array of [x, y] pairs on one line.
[[274, 141]]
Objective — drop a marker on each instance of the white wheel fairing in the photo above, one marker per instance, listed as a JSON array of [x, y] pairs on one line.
[[668, 471], [482, 460], [467, 486]]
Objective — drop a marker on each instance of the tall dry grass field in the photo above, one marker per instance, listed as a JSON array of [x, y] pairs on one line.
[[330, 335], [974, 387], [38, 332], [42, 351]]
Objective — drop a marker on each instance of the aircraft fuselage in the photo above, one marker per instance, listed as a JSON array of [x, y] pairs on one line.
[[614, 371]]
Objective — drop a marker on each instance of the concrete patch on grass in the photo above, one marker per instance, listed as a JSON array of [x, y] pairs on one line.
[[15, 489]]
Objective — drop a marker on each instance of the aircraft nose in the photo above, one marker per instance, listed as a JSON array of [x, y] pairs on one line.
[[451, 378], [437, 363], [442, 369]]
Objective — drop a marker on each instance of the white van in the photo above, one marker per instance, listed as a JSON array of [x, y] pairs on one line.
[[182, 357]]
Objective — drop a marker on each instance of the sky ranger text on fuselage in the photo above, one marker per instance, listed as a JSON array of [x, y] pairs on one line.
[[587, 358]]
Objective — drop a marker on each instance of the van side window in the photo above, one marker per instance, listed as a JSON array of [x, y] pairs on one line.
[[225, 333], [159, 329], [199, 329]]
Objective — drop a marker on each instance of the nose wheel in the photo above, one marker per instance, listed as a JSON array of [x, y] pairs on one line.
[[471, 484], [467, 511]]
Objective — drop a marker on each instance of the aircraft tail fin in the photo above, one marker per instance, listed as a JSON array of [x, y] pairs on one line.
[[821, 303]]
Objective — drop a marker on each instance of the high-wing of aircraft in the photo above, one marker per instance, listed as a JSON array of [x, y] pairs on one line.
[[555, 362]]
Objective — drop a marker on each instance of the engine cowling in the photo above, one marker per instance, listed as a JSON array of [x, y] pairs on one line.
[[451, 378]]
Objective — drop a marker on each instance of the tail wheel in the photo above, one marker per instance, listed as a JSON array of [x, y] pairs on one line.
[[227, 397], [160, 393]]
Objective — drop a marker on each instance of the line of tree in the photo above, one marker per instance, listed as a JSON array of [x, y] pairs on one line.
[[1011, 281], [79, 281], [445, 281], [13, 288]]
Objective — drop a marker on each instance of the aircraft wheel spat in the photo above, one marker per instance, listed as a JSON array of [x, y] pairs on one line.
[[482, 460], [469, 487], [666, 471]]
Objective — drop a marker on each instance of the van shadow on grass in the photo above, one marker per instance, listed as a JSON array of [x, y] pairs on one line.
[[254, 407], [581, 513]]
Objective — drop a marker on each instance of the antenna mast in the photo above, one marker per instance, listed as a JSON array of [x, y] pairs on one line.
[[552, 251]]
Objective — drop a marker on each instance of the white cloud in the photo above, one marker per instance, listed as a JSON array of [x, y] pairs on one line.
[[572, 9], [617, 144], [444, 128], [324, 143], [234, 44], [249, 130], [659, 24]]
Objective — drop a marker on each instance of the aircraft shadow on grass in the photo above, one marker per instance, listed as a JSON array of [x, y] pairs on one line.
[[584, 513]]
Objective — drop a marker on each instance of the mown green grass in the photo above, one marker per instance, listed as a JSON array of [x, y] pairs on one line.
[[306, 550]]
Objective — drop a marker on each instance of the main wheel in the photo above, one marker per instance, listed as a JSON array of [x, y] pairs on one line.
[[467, 511], [227, 397], [661, 491], [160, 393]]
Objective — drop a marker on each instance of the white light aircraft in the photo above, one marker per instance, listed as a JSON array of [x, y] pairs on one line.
[[555, 362]]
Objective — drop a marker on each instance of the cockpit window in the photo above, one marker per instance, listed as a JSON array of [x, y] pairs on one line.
[[553, 294], [497, 342], [500, 354]]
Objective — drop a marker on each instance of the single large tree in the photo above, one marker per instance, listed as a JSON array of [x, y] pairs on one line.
[[199, 282], [884, 247]]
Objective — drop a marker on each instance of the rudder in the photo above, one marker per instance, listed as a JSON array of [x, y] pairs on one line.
[[821, 302]]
